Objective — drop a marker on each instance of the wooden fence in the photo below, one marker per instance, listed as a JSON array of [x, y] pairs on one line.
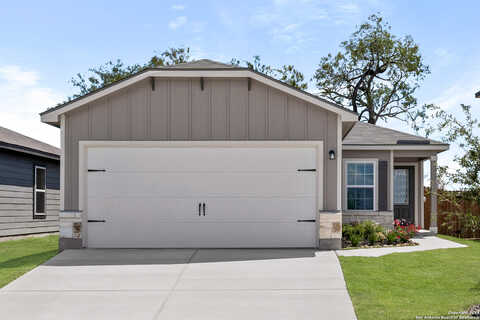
[[444, 207]]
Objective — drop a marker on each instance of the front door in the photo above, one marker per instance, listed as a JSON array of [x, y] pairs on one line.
[[404, 193]]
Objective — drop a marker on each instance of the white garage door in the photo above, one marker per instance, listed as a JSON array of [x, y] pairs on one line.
[[201, 197]]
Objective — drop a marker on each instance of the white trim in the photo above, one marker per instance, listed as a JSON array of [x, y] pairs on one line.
[[375, 183], [415, 196], [35, 190], [52, 117], [83, 147], [423, 147], [421, 173], [392, 166], [62, 162], [339, 163]]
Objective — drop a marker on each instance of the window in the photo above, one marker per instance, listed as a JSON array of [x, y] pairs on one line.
[[360, 185], [400, 187], [39, 190]]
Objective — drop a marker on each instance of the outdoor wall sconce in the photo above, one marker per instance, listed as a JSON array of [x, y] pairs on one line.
[[331, 154]]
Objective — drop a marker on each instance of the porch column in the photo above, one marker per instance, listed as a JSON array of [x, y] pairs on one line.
[[433, 194]]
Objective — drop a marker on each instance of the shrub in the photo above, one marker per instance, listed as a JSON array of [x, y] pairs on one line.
[[372, 238], [369, 229], [392, 237], [355, 239], [381, 236], [347, 231]]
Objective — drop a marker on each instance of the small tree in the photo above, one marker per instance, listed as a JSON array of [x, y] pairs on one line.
[[463, 131], [375, 73]]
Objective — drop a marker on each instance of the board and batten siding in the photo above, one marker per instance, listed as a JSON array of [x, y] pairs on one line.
[[178, 109], [16, 194]]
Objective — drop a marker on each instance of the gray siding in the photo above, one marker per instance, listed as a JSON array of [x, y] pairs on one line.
[[179, 110], [16, 194], [16, 211]]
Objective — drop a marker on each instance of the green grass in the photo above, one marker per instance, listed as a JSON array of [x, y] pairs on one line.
[[20, 256], [405, 285]]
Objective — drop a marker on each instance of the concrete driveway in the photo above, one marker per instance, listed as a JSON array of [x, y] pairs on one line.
[[181, 284]]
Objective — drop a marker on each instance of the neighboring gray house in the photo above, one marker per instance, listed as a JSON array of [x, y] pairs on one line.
[[477, 95], [29, 185], [205, 154]]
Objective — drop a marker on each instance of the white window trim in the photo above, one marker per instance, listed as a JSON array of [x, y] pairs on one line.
[[375, 182], [35, 190]]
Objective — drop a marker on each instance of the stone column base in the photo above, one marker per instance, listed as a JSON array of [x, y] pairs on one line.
[[70, 230], [330, 231]]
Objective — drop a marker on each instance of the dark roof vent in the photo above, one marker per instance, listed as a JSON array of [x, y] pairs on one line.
[[409, 142]]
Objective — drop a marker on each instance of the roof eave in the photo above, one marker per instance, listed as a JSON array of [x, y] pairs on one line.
[[51, 116], [31, 151], [426, 147]]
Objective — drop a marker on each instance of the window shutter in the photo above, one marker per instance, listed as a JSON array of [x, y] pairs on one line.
[[383, 185]]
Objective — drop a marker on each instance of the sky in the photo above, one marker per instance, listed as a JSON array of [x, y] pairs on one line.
[[43, 44]]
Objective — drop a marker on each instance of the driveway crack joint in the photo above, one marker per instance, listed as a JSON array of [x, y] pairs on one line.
[[157, 314]]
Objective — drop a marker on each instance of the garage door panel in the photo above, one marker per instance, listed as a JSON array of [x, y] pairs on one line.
[[205, 234], [163, 210], [149, 197], [200, 184], [135, 210], [201, 159]]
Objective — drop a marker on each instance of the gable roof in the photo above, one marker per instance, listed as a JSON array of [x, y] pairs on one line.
[[12, 140], [201, 64], [196, 69], [477, 95], [370, 135]]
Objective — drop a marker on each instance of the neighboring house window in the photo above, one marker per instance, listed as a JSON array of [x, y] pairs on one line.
[[39, 191], [360, 186], [400, 188]]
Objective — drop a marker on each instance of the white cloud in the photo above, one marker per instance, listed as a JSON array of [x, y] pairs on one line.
[[443, 57], [349, 7], [178, 7], [197, 26], [21, 99], [177, 22]]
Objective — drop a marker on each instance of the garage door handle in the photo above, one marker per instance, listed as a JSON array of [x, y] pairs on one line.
[[204, 209], [306, 220], [199, 209], [96, 221]]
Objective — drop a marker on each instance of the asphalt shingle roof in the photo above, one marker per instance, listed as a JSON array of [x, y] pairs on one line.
[[15, 140], [202, 64], [369, 134]]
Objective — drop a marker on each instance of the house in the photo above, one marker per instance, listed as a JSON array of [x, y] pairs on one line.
[[205, 154], [477, 95], [29, 185]]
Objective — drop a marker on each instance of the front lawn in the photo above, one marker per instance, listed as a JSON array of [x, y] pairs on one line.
[[20, 256], [406, 285]]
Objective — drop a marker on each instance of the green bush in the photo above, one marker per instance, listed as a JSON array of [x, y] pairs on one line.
[[347, 231], [355, 239], [392, 237], [372, 238]]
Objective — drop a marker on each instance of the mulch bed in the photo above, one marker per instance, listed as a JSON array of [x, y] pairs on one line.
[[345, 245]]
